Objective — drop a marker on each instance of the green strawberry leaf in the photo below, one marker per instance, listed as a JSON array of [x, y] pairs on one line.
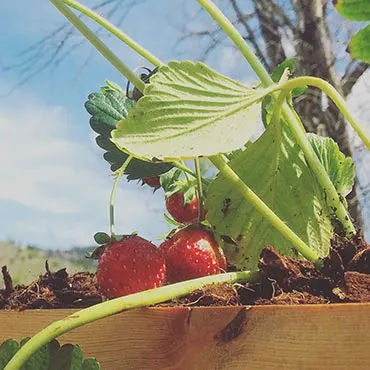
[[189, 110], [49, 357], [171, 221], [273, 167], [90, 364], [69, 357], [267, 109], [357, 10], [341, 169], [280, 68], [277, 73], [107, 108], [359, 46], [39, 360], [7, 350], [354, 10], [111, 86], [102, 238]]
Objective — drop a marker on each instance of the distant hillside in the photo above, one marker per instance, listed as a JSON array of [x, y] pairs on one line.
[[25, 264]]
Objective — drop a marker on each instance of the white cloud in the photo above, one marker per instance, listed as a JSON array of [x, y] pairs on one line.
[[64, 182]]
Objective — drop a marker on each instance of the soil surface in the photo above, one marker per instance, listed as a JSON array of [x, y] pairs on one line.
[[343, 277], [52, 290]]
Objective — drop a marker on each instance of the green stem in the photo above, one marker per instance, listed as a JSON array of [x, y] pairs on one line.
[[119, 173], [318, 169], [333, 94], [276, 115], [294, 123], [98, 44], [261, 207], [188, 171], [115, 31], [199, 188], [239, 42], [108, 308]]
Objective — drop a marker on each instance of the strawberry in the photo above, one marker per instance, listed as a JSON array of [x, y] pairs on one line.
[[185, 213], [130, 265], [153, 182], [191, 253]]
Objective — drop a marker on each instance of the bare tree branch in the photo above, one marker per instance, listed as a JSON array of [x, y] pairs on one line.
[[351, 77], [55, 47], [270, 31], [243, 20]]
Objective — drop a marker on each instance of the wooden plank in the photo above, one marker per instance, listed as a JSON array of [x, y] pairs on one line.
[[330, 337]]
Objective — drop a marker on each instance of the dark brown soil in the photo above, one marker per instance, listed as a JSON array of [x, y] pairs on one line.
[[344, 276], [52, 290]]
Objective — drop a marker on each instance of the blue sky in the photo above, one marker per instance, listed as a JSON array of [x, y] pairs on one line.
[[54, 184]]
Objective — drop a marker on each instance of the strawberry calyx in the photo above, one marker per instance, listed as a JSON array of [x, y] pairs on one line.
[[104, 240], [173, 183], [182, 202]]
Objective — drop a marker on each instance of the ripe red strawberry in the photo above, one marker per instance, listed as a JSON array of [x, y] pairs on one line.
[[153, 182], [181, 212], [129, 266], [192, 253]]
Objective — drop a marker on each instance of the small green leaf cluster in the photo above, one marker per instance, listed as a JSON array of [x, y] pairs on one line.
[[107, 108], [51, 356], [357, 10]]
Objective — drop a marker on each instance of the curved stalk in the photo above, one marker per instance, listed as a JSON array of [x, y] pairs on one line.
[[119, 174], [114, 31], [261, 207], [98, 44], [117, 305], [334, 95], [276, 115]]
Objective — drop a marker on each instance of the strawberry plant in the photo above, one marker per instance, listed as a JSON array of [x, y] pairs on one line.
[[287, 189]]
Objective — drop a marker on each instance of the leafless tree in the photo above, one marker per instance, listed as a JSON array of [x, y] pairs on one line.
[[309, 30]]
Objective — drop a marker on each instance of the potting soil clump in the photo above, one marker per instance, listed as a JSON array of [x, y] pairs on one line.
[[52, 290], [344, 276]]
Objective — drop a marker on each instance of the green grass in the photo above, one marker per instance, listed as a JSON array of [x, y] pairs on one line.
[[25, 264]]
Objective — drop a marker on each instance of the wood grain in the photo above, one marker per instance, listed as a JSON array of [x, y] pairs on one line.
[[330, 337]]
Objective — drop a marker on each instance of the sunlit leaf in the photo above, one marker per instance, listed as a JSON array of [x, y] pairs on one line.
[[189, 110], [341, 169], [275, 169]]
